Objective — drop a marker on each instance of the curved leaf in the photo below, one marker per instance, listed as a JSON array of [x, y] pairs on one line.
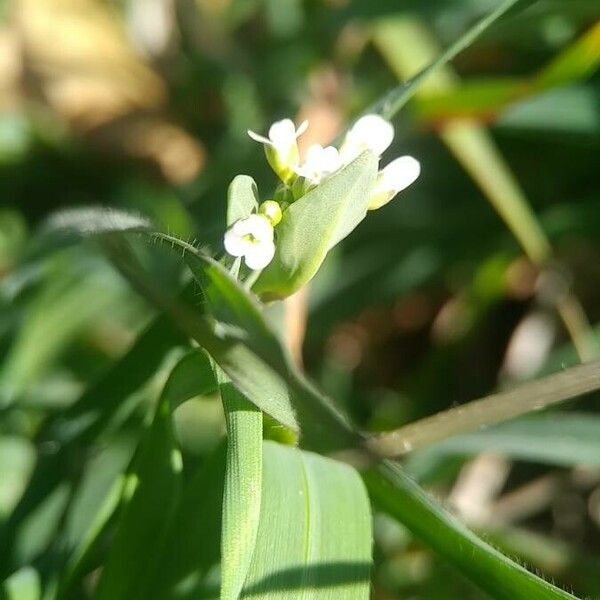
[[315, 223], [242, 198], [503, 579]]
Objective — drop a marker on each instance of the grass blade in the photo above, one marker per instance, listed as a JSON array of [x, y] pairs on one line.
[[490, 410], [565, 439], [241, 498], [392, 102], [407, 46], [395, 493]]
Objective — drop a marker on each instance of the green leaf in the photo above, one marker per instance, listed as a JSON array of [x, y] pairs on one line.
[[503, 579], [314, 537], [80, 425], [241, 499], [150, 497], [192, 545], [192, 376], [566, 439], [23, 585], [314, 224], [394, 100], [251, 365], [69, 302], [242, 198]]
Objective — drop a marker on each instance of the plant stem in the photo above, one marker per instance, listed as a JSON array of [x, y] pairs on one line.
[[490, 410]]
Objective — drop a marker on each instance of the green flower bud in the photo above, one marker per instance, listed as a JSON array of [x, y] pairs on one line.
[[271, 210]]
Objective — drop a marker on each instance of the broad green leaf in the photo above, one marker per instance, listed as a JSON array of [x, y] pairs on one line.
[[313, 225], [150, 497], [566, 439], [242, 198], [395, 493], [314, 537], [23, 585], [241, 498]]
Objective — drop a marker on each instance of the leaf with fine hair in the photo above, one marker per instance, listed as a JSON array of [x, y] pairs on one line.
[[394, 492]]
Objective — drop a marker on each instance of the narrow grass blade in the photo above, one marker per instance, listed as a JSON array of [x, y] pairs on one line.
[[392, 102], [485, 100], [243, 479], [314, 538], [407, 46], [193, 543], [80, 425], [532, 396], [503, 579], [150, 497], [565, 439]]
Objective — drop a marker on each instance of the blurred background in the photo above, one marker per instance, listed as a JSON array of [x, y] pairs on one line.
[[446, 294]]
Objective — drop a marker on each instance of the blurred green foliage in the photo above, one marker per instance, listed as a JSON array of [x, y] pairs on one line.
[[427, 305]]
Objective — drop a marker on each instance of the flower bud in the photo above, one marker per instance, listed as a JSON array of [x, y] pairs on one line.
[[394, 178], [281, 147], [271, 210]]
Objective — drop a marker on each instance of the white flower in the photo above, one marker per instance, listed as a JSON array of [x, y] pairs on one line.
[[370, 132], [281, 147], [394, 178], [251, 238], [320, 163]]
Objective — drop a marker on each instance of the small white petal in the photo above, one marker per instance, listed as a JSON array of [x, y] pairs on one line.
[[370, 132], [235, 245], [283, 133], [258, 138], [302, 128], [260, 255], [399, 174]]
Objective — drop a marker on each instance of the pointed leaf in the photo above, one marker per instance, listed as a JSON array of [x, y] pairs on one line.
[[242, 198], [314, 224], [503, 579]]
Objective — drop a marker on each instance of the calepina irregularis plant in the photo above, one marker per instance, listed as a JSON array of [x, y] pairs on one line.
[[290, 495]]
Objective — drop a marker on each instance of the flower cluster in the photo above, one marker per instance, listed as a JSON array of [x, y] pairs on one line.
[[253, 237]]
